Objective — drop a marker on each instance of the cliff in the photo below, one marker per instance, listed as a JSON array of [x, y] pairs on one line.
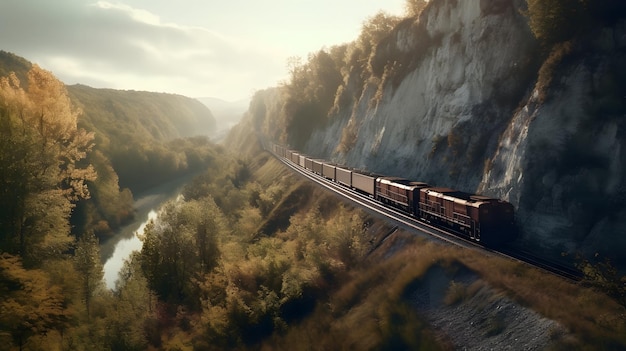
[[465, 96]]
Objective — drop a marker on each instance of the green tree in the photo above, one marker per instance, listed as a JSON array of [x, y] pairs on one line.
[[89, 267], [132, 318], [179, 246], [41, 174], [310, 95]]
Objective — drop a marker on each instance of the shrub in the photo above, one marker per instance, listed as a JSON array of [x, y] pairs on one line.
[[557, 20]]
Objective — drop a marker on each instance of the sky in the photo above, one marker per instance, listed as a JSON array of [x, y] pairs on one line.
[[198, 48]]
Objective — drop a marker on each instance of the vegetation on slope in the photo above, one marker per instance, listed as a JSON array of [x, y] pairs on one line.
[[141, 140], [256, 258], [42, 173], [134, 128]]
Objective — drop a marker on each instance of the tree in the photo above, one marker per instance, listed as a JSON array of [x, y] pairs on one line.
[[30, 305], [89, 267], [179, 246], [41, 173], [414, 7], [132, 318], [558, 20]]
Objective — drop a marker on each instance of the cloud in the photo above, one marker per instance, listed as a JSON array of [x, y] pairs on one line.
[[107, 44]]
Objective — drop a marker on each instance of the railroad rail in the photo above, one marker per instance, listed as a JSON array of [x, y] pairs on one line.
[[410, 223]]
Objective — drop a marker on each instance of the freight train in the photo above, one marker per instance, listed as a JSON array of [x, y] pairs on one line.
[[478, 218]]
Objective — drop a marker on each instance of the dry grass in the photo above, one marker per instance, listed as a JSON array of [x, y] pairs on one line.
[[595, 319], [368, 311], [365, 306], [364, 311]]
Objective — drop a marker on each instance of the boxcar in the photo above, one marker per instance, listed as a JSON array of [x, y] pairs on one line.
[[329, 171], [308, 163], [364, 182], [344, 176], [317, 166], [302, 161], [295, 157]]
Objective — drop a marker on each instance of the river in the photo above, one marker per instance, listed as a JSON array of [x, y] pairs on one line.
[[147, 204]]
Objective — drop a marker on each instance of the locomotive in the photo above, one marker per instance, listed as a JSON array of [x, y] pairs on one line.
[[482, 219]]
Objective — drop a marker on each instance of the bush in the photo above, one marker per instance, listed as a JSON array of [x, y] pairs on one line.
[[556, 21]]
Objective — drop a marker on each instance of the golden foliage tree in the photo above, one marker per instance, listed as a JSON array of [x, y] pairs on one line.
[[415, 7], [41, 174], [30, 305]]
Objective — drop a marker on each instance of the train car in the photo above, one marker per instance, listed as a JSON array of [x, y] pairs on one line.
[[344, 176], [329, 171], [364, 182], [279, 150], [295, 157], [399, 192], [479, 218], [496, 220], [317, 166], [308, 163], [302, 161]]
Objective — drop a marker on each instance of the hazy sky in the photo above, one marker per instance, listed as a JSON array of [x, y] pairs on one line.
[[226, 49]]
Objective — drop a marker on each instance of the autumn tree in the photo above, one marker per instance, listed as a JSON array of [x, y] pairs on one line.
[[30, 305], [414, 7], [375, 29], [41, 173]]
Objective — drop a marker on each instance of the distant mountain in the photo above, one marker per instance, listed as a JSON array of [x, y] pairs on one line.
[[156, 116], [226, 113]]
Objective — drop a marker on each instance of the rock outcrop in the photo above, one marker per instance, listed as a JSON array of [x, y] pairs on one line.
[[464, 96]]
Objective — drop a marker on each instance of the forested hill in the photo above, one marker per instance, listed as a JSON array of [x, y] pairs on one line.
[[140, 139], [141, 114]]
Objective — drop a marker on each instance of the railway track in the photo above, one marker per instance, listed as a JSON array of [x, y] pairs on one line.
[[557, 268], [404, 221]]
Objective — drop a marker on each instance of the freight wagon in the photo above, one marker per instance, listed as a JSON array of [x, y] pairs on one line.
[[364, 182], [329, 171], [475, 217]]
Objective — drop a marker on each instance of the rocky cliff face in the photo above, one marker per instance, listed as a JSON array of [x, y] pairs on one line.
[[443, 119], [469, 100], [560, 160]]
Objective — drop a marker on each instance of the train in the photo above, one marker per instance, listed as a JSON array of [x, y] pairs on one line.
[[481, 219]]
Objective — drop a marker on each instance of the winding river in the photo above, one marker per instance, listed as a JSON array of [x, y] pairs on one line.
[[116, 250]]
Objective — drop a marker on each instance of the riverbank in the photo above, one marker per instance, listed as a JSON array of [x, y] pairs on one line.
[[118, 248]]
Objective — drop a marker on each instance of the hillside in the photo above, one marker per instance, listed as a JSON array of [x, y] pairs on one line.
[[138, 145], [226, 113], [142, 139], [148, 115], [479, 96]]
